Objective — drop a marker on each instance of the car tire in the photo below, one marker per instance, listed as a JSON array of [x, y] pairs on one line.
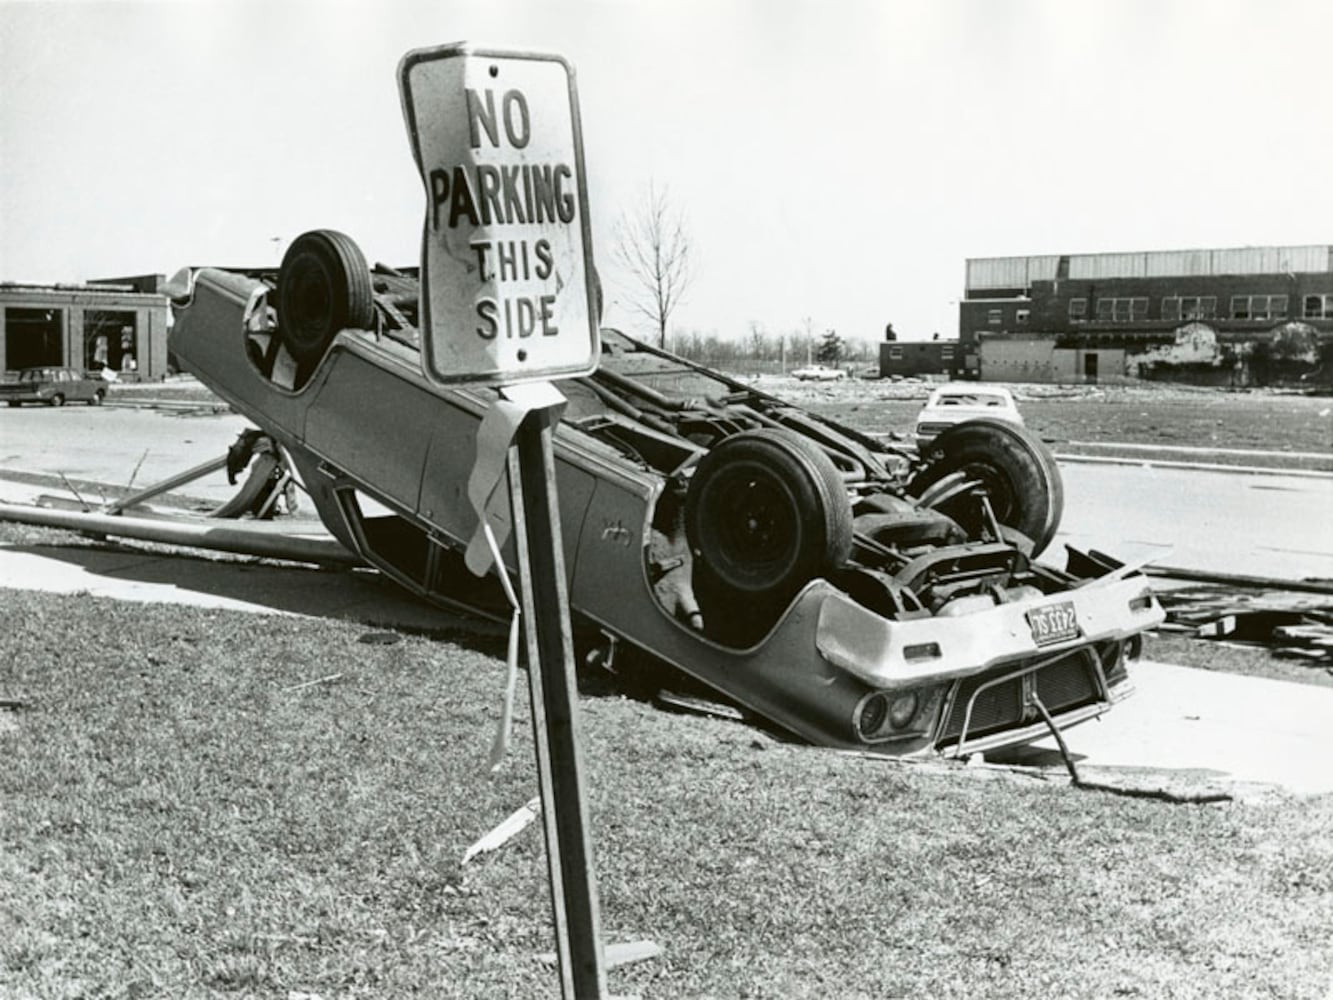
[[1017, 471], [98, 396], [324, 286], [56, 400], [765, 513], [12, 402]]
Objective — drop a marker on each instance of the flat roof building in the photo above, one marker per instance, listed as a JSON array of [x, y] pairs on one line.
[[1195, 314], [115, 323]]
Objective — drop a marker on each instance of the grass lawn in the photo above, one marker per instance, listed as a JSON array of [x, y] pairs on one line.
[[179, 818]]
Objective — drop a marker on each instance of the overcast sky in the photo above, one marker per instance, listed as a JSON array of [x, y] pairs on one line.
[[835, 160]]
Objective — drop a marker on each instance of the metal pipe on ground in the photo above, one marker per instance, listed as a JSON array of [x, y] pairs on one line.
[[188, 476], [1239, 580], [200, 536]]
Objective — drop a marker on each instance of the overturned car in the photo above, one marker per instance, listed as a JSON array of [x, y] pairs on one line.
[[853, 591]]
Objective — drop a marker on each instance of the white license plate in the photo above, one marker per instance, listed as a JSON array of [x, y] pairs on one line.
[[1053, 623]]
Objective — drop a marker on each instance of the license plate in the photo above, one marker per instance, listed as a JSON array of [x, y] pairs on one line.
[[1053, 623]]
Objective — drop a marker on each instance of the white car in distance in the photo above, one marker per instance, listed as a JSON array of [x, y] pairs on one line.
[[956, 402], [818, 373]]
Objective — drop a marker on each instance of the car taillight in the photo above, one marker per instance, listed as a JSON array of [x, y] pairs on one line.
[[902, 710], [870, 718], [881, 715]]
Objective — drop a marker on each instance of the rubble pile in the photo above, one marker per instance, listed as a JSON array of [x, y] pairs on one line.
[[1293, 625]]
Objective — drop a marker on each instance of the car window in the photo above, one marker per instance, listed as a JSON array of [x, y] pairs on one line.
[[971, 399]]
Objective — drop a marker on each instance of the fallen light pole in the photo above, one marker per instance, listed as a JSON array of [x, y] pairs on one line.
[[242, 541]]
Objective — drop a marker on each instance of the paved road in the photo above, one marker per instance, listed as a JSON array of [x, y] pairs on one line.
[[1263, 525], [115, 445]]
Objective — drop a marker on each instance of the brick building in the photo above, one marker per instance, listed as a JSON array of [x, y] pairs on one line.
[[1251, 314]]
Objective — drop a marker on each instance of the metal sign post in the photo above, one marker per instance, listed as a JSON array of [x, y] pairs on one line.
[[554, 694], [507, 297]]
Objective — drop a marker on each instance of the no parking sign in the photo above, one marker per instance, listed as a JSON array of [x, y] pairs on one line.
[[507, 284]]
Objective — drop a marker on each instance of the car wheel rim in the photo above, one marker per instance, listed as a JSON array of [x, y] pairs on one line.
[[757, 525]]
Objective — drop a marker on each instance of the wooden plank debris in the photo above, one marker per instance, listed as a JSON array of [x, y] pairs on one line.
[[1295, 624], [510, 827]]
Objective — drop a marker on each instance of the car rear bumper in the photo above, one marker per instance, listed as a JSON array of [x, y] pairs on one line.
[[898, 655]]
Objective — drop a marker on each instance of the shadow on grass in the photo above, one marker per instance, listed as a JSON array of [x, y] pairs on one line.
[[143, 573], [363, 596]]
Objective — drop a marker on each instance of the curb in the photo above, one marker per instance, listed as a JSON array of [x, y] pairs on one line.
[[1250, 470]]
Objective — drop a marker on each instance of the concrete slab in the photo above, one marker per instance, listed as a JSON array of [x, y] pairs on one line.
[[1240, 729]]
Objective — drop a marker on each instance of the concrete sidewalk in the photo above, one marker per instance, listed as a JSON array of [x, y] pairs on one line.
[[133, 571], [1228, 726]]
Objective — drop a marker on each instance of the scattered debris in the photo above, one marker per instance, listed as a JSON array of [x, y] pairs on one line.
[[1241, 580], [318, 680], [700, 706], [380, 638], [137, 466], [70, 486], [1295, 625], [516, 823], [13, 704], [621, 953]]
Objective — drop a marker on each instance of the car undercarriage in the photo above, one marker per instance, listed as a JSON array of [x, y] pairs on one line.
[[849, 588]]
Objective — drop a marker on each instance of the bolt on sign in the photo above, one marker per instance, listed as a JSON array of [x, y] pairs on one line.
[[507, 283]]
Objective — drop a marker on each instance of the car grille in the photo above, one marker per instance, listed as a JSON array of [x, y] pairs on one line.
[[1066, 683]]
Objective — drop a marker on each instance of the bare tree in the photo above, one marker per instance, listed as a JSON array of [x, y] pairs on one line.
[[757, 342], [653, 245]]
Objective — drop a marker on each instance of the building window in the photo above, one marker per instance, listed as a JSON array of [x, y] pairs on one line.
[[34, 338], [1178, 307], [109, 339], [1078, 309], [1022, 315], [1122, 309], [994, 317], [895, 353], [946, 352], [1317, 307], [1258, 306]]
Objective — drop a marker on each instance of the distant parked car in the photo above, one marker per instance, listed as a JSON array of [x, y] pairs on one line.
[[54, 387], [818, 373], [956, 402]]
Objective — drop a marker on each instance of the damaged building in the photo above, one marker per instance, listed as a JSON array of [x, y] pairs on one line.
[[1240, 316], [116, 323]]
